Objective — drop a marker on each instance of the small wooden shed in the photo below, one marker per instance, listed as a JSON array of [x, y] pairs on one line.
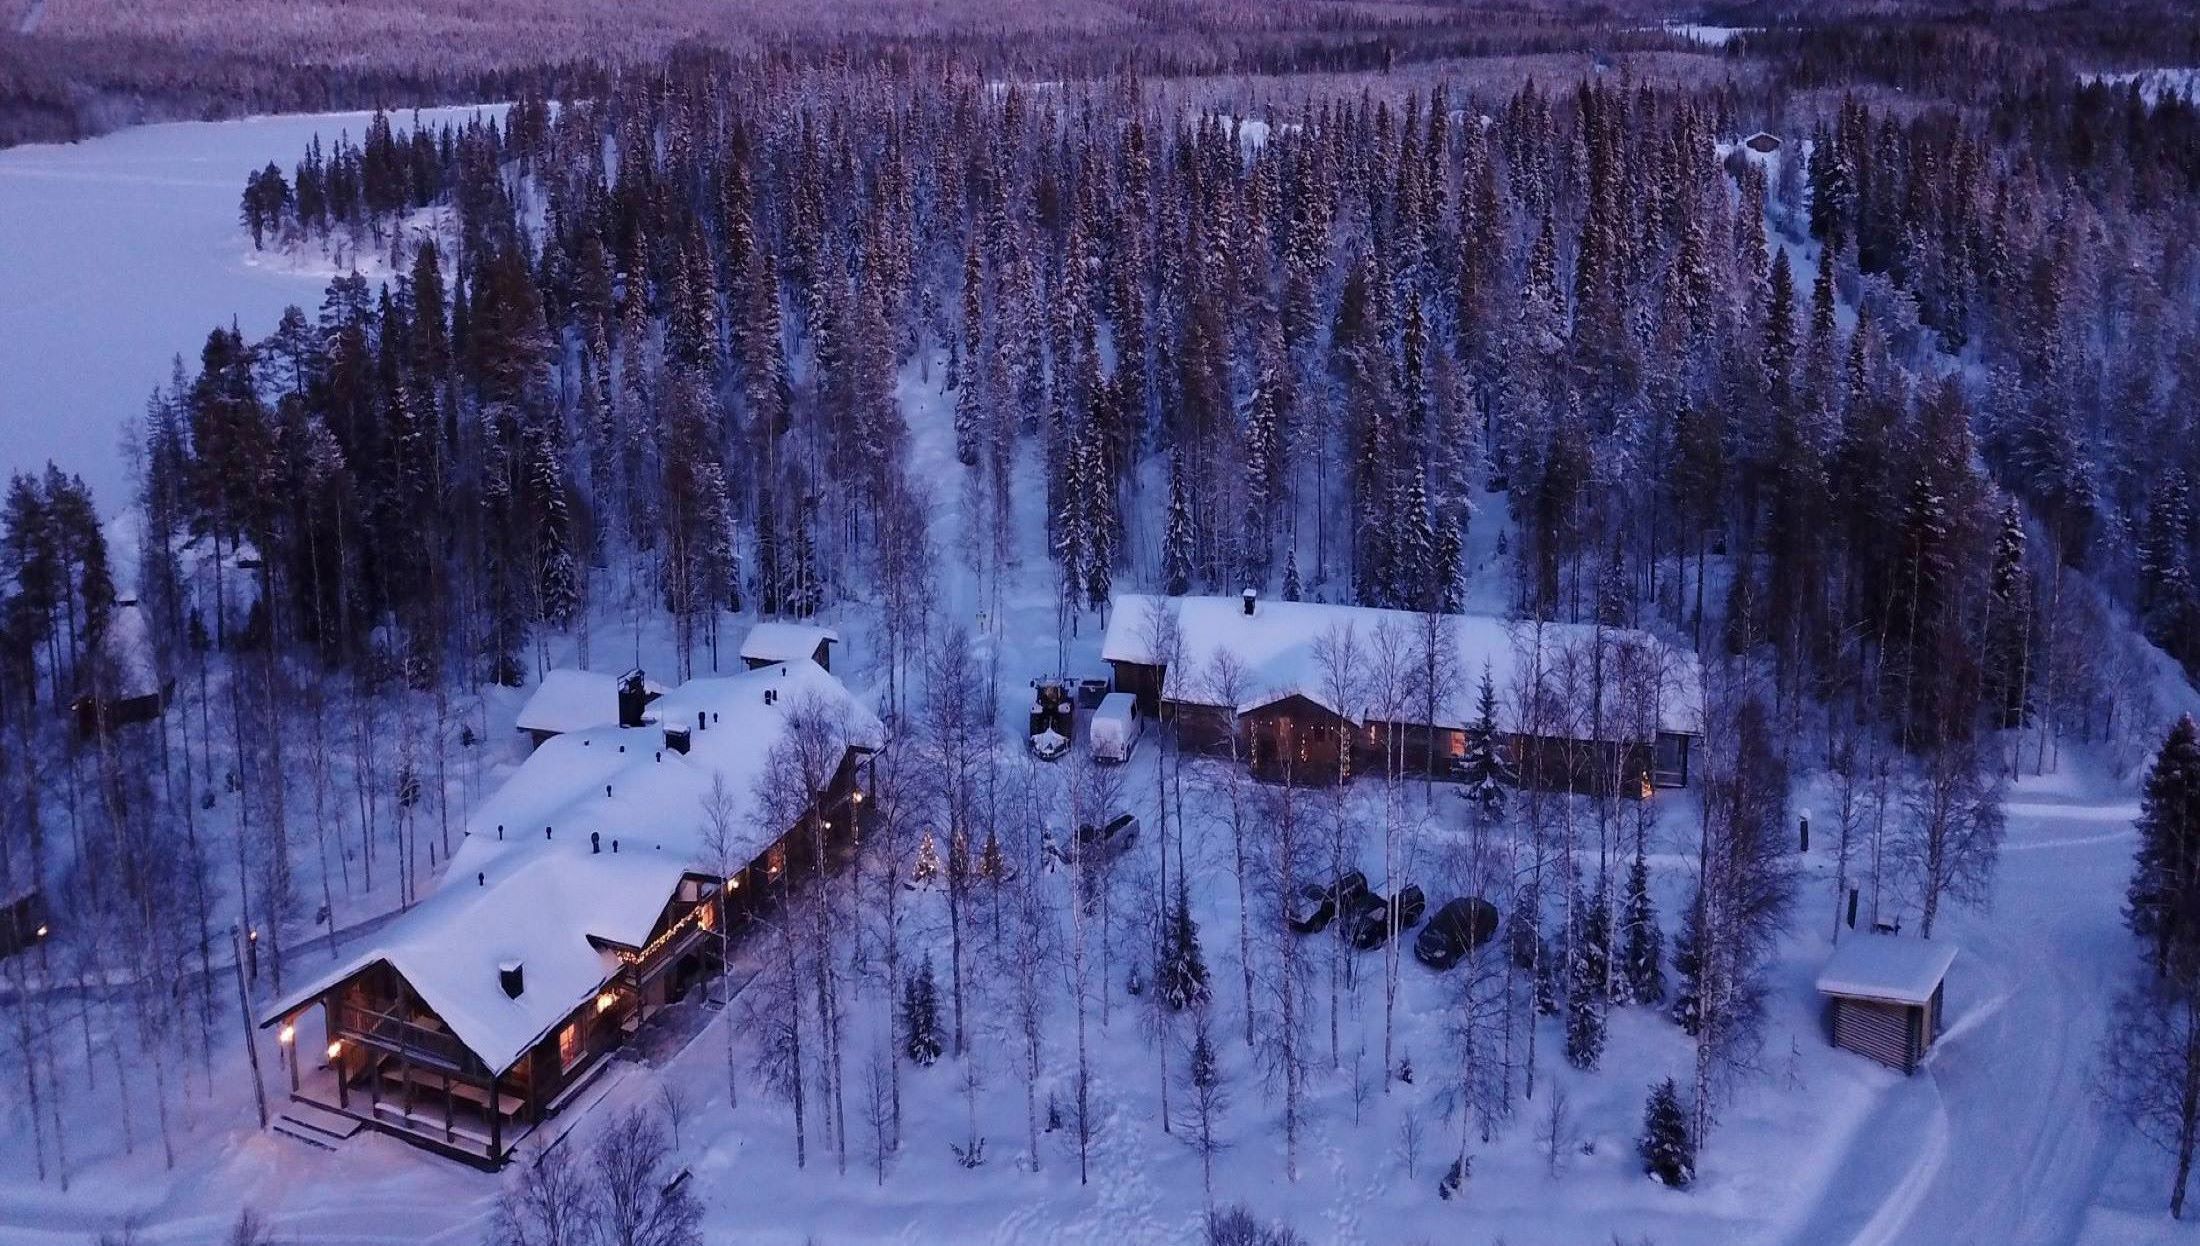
[[22, 920], [126, 684], [1883, 996], [772, 642]]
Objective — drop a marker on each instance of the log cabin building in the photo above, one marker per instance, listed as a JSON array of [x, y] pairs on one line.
[[1293, 689], [585, 896]]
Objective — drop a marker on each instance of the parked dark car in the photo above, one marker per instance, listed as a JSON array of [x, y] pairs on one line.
[[1318, 903], [1402, 911], [1108, 840], [1458, 928]]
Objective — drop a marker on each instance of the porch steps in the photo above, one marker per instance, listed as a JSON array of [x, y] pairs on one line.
[[314, 1125], [297, 1133]]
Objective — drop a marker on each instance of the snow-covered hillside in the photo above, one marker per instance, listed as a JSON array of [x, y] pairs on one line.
[[119, 253]]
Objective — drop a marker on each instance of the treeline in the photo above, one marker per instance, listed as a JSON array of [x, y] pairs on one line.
[[92, 67]]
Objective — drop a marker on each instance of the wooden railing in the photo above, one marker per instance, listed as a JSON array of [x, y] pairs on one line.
[[395, 1033]]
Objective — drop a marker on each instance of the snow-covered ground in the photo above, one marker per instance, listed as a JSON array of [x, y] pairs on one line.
[[120, 252]]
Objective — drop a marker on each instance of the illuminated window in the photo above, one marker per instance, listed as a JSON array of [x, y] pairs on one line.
[[569, 1045]]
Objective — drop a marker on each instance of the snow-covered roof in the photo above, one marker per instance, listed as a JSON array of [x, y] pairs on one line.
[[1280, 649], [514, 894], [572, 700], [1888, 967], [784, 642], [126, 647]]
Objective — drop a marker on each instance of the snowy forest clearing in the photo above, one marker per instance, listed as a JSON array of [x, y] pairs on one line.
[[1826, 1148], [134, 252]]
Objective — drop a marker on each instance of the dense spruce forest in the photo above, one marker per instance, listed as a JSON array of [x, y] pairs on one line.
[[660, 334], [1865, 360]]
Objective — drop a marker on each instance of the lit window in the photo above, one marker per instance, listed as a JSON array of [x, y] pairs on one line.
[[569, 1045]]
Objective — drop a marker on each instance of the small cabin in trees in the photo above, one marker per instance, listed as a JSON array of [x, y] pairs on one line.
[[599, 884], [1762, 143], [124, 683], [1883, 997], [573, 700], [767, 643], [1298, 690], [22, 919]]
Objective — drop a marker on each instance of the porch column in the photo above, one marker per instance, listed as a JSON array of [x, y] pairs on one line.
[[496, 1115], [447, 1107], [290, 1050], [330, 1031]]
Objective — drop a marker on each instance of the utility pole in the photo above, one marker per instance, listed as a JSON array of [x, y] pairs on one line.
[[244, 1010]]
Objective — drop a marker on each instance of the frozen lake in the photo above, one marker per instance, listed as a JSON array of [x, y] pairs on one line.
[[118, 254]]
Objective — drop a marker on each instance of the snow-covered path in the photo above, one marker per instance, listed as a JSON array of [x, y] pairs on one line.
[[1997, 1139]]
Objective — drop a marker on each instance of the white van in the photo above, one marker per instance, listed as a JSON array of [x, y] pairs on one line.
[[1115, 727]]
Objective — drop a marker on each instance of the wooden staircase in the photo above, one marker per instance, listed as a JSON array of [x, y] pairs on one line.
[[314, 1125]]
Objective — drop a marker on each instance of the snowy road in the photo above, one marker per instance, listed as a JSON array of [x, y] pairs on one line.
[[1997, 1138]]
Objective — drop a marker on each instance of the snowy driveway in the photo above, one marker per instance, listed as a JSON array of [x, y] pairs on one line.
[[1997, 1139]]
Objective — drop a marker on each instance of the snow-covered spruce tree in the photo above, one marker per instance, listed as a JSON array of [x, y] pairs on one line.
[[2007, 656], [1548, 994], [2162, 904], [1176, 537], [1181, 975], [1414, 580], [920, 1016], [1668, 1152], [1292, 590], [1206, 1100], [1643, 944], [1593, 943], [1585, 975], [1686, 1011], [969, 394], [1524, 928]]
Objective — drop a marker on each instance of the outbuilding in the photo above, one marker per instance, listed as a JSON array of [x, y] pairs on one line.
[[1883, 996], [125, 682], [22, 920], [771, 642]]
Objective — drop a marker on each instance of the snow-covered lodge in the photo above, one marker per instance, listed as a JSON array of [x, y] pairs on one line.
[[1313, 693], [593, 888]]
